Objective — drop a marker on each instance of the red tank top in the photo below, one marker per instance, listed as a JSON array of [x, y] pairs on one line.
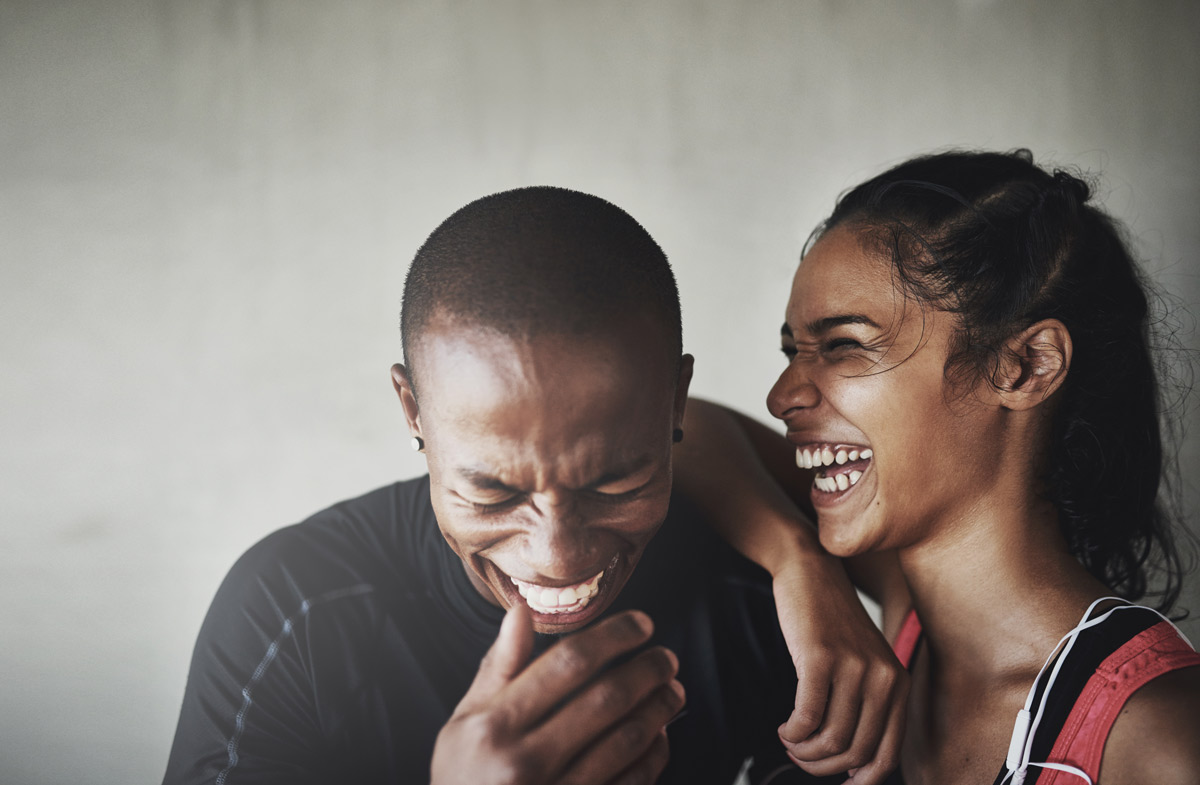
[[1137, 651]]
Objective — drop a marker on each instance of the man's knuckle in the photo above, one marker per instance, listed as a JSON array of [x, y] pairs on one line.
[[572, 660], [481, 727], [633, 734], [610, 697], [523, 765], [671, 700]]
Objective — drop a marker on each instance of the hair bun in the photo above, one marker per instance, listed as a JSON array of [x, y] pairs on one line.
[[1069, 185]]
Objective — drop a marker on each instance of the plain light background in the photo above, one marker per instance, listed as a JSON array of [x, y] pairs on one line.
[[207, 209]]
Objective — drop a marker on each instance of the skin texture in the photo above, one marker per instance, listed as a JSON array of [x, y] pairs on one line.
[[952, 489], [550, 461]]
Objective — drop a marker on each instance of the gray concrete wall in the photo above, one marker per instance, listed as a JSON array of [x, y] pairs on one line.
[[206, 210]]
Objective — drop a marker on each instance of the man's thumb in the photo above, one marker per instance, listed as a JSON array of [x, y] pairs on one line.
[[507, 657]]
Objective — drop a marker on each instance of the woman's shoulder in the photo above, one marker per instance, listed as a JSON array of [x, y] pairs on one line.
[[1156, 736]]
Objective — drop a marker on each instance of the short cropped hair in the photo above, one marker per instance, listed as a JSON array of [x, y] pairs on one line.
[[540, 260]]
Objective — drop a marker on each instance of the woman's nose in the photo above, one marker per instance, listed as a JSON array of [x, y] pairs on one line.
[[793, 391]]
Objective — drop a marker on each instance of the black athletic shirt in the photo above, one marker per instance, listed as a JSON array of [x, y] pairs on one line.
[[337, 648]]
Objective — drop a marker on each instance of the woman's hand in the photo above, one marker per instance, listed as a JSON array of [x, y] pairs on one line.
[[852, 693]]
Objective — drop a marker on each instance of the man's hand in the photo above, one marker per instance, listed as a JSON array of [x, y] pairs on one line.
[[555, 720], [852, 693]]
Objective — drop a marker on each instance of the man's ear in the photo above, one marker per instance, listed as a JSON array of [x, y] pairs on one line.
[[408, 399], [1034, 364], [686, 365]]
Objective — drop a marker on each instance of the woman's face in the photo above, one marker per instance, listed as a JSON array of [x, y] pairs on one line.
[[899, 453]]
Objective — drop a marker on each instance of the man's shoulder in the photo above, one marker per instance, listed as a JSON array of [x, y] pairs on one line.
[[353, 543], [688, 547]]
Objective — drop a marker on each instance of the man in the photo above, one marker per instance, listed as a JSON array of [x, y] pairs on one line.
[[546, 384]]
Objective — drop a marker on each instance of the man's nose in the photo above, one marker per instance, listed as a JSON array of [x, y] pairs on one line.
[[793, 391], [560, 544]]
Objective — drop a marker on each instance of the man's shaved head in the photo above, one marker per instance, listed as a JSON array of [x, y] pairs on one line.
[[540, 260]]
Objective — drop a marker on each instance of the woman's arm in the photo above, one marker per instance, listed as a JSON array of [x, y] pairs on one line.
[[852, 692]]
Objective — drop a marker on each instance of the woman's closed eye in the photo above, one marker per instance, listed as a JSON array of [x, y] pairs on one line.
[[842, 343]]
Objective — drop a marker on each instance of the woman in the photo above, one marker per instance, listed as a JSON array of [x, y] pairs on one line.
[[970, 381]]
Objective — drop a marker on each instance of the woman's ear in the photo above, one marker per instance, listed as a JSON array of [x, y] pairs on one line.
[[1034, 364], [408, 398]]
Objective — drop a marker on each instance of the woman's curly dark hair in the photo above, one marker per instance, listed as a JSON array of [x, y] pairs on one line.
[[1003, 244]]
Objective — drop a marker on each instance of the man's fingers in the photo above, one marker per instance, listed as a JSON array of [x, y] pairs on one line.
[[572, 662], [615, 717], [647, 768], [504, 660], [813, 676]]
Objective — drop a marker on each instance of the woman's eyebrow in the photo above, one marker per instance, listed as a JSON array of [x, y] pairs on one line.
[[827, 323]]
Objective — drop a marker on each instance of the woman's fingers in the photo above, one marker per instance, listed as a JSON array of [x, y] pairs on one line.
[[887, 753], [842, 715], [814, 675], [856, 735]]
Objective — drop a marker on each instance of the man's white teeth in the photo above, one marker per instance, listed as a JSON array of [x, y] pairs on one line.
[[547, 599], [838, 482], [825, 456]]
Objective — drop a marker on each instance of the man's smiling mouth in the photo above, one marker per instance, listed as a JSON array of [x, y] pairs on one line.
[[563, 599]]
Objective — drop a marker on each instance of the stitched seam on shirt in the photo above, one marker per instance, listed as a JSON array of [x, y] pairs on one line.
[[285, 632]]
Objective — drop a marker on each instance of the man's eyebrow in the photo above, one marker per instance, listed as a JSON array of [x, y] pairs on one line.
[[620, 472], [482, 480], [827, 323]]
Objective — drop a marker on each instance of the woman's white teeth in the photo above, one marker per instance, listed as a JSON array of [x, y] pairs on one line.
[[817, 457], [838, 482], [548, 599]]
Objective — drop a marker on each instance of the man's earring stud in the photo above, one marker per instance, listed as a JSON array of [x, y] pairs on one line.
[[418, 444], [677, 435]]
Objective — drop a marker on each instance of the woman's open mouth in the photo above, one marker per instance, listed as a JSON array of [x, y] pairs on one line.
[[839, 466]]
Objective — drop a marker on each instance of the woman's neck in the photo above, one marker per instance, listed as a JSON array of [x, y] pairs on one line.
[[996, 590]]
